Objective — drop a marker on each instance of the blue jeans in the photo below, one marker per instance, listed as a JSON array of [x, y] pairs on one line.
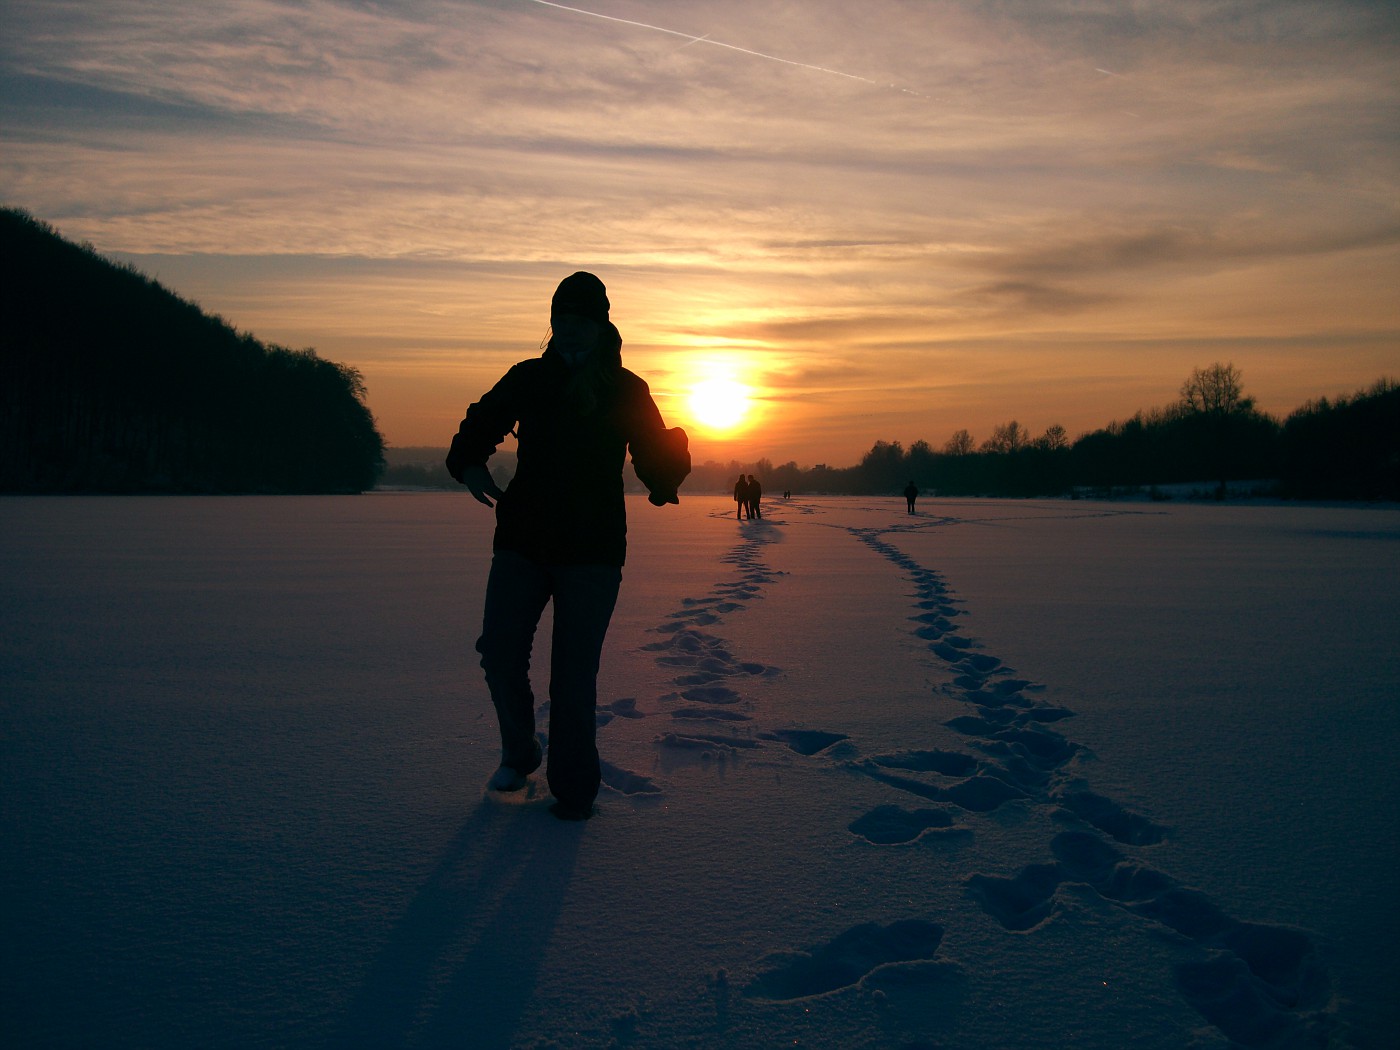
[[584, 596]]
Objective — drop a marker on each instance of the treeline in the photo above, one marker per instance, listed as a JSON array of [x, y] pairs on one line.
[[1211, 436], [425, 467], [1345, 449], [109, 382]]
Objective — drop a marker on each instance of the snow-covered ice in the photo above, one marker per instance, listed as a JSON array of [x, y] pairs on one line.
[[1004, 774]]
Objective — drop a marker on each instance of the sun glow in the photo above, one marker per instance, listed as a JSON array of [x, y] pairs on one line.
[[719, 403]]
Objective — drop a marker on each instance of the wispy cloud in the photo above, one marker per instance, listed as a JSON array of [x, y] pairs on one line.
[[708, 40]]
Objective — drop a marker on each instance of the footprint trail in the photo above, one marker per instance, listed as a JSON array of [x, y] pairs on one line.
[[1259, 985], [712, 706]]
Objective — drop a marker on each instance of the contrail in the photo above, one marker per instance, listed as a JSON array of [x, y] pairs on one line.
[[690, 38]]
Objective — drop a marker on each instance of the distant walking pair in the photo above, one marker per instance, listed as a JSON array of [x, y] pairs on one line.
[[748, 494]]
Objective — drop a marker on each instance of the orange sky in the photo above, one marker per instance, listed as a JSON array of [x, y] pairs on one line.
[[890, 220]]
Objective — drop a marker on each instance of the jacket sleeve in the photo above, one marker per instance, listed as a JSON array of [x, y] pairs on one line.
[[487, 423], [660, 456]]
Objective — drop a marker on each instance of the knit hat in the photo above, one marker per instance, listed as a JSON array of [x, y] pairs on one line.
[[582, 294]]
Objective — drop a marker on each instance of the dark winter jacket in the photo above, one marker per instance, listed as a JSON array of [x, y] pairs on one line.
[[564, 506]]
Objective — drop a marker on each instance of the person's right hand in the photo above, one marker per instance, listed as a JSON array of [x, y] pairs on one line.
[[483, 487]]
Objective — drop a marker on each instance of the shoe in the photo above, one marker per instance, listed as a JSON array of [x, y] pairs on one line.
[[511, 775], [506, 779], [564, 812]]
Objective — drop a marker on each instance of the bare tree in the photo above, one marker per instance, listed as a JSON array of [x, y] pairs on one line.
[[1216, 390], [1009, 437], [1054, 439], [1214, 397], [960, 444]]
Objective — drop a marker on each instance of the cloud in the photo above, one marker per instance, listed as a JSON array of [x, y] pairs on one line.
[[1040, 298], [1202, 249]]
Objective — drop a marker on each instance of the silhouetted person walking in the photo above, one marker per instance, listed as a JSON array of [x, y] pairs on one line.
[[741, 498], [911, 493], [755, 497], [561, 529]]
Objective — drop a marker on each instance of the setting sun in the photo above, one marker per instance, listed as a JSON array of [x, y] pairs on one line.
[[720, 404]]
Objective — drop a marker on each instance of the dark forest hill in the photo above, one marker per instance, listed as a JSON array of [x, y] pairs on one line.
[[110, 382]]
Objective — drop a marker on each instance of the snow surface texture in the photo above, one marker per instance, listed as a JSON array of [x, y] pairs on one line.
[[998, 775]]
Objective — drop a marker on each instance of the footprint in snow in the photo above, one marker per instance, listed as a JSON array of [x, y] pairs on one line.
[[948, 763], [707, 742], [893, 826], [626, 782], [805, 741], [1111, 818], [978, 794], [714, 714], [1019, 903], [844, 961], [710, 694]]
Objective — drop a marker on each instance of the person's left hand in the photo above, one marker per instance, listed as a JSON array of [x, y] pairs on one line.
[[483, 487], [660, 499]]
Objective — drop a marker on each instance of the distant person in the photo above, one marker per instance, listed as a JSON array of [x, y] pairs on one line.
[[741, 498], [561, 529], [755, 496], [911, 493]]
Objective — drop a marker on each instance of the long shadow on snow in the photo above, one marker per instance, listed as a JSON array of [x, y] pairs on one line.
[[492, 901]]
